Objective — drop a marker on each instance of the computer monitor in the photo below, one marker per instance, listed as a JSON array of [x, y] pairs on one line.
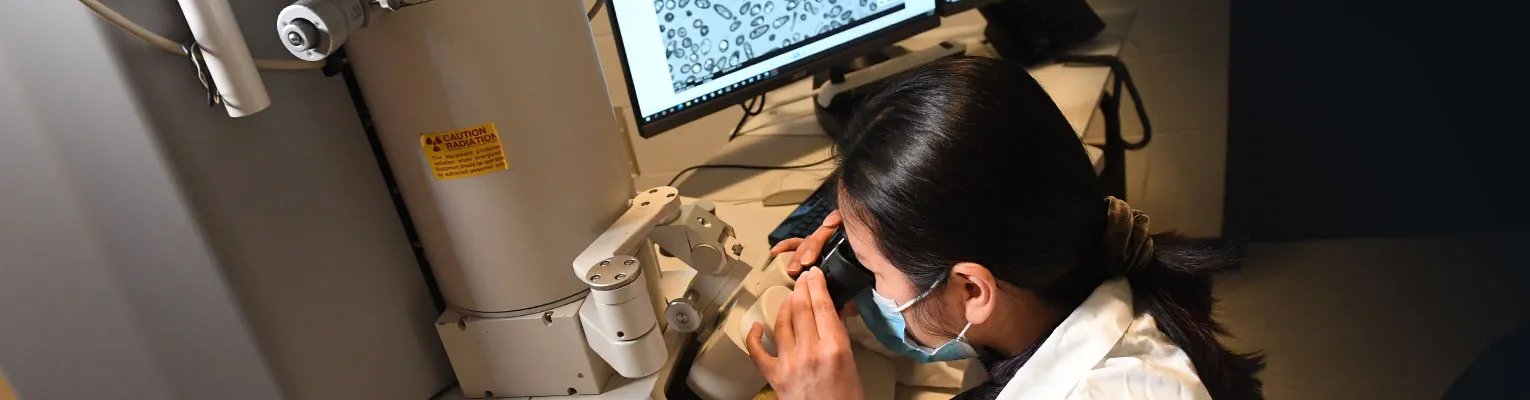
[[684, 59], [952, 7]]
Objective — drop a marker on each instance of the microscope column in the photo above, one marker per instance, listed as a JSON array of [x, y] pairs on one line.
[[522, 76]]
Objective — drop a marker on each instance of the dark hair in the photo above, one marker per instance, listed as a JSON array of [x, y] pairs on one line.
[[969, 160]]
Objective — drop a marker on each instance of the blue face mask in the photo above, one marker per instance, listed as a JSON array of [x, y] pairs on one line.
[[885, 319]]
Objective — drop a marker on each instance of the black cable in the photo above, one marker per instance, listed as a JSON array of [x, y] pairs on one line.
[[594, 9], [750, 110], [748, 167], [1122, 76]]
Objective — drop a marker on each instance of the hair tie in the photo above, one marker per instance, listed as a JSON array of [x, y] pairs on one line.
[[1128, 245]]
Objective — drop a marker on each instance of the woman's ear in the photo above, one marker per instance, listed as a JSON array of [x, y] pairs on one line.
[[981, 290]]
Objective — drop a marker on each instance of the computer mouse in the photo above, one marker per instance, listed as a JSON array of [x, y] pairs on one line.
[[790, 188]]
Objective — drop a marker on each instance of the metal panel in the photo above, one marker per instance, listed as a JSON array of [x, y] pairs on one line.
[[500, 242], [532, 355]]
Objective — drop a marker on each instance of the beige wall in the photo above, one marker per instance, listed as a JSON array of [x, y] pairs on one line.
[[1178, 55], [157, 249]]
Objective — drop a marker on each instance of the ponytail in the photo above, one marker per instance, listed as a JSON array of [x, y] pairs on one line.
[[1171, 280]]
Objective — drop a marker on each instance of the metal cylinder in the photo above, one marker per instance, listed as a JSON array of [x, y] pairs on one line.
[[314, 29], [500, 242], [625, 312], [227, 56]]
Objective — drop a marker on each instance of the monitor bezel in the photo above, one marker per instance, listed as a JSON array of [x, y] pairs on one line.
[[822, 61], [947, 9]]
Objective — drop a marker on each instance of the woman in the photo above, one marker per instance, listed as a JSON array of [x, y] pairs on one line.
[[967, 195]]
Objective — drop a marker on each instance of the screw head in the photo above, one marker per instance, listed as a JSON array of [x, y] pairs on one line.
[[295, 39], [621, 276], [682, 315], [605, 263], [629, 262], [595, 277]]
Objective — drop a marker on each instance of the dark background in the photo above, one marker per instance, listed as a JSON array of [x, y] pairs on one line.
[[1369, 118]]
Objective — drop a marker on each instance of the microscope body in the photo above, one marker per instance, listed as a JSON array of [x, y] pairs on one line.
[[517, 322]]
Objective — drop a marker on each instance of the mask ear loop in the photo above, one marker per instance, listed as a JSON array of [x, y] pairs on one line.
[[921, 296], [962, 336]]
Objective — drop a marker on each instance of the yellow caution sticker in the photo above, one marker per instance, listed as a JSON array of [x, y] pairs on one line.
[[465, 152]]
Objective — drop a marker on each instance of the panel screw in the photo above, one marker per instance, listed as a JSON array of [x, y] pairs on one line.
[[621, 276], [595, 277], [629, 262]]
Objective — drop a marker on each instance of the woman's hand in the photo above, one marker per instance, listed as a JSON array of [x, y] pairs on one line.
[[808, 249], [814, 359]]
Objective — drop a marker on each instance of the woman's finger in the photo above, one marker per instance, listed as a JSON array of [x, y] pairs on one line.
[[786, 337], [830, 329], [762, 359], [802, 311], [808, 251], [833, 220], [793, 269], [785, 246]]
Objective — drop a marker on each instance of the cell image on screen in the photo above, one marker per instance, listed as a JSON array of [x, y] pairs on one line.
[[704, 39]]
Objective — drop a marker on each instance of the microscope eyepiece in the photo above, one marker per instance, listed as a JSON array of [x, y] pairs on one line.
[[843, 272]]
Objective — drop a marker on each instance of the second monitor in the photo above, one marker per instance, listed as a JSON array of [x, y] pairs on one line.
[[684, 59]]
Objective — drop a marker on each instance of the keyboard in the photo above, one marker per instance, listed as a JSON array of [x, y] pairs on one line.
[[808, 216]]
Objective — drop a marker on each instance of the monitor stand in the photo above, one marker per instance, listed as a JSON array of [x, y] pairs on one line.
[[842, 87], [837, 73]]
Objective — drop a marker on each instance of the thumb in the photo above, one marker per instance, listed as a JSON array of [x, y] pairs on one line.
[[762, 359]]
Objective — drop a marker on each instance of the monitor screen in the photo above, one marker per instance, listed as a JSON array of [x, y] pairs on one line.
[[680, 54]]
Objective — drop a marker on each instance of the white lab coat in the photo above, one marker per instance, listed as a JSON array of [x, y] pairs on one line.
[[1101, 351]]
